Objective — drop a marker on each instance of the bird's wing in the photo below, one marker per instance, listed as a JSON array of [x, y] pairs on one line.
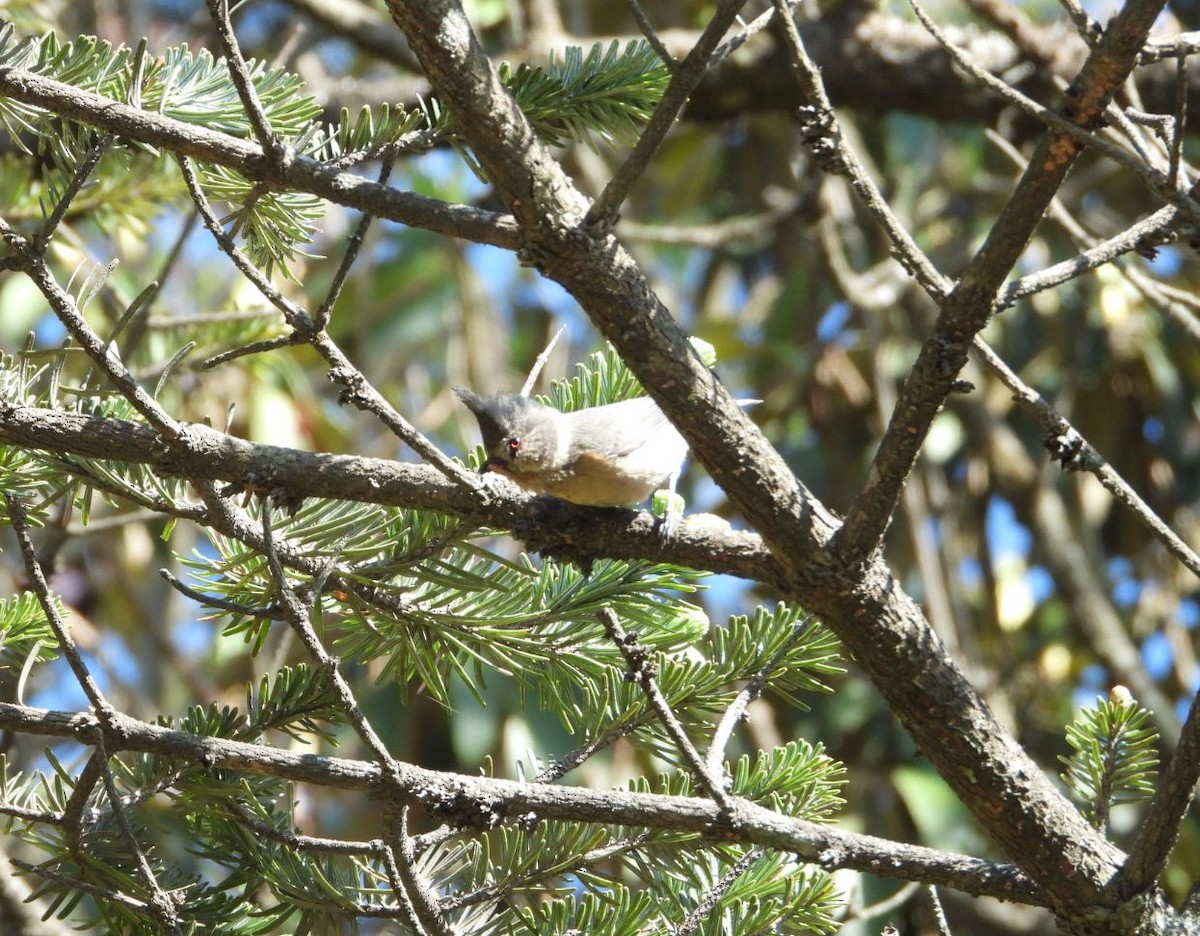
[[616, 429]]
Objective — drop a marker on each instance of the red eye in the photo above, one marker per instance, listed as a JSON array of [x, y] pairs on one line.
[[513, 444]]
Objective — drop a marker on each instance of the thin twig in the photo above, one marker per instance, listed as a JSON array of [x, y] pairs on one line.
[[62, 634], [223, 604], [939, 915], [24, 813], [297, 317], [825, 141], [642, 671], [76, 884], [606, 207], [1180, 122], [569, 864], [1069, 446], [353, 246], [341, 369], [1137, 138], [1164, 47], [100, 351], [540, 363], [892, 902], [743, 35], [263, 346], [402, 861], [1178, 306], [740, 229], [1161, 124], [78, 802], [561, 766], [715, 759], [408, 144], [163, 904], [296, 613], [305, 843], [240, 73], [83, 471], [24, 912], [647, 30], [1127, 120], [712, 897], [1158, 228], [409, 910], [1089, 29], [82, 171]]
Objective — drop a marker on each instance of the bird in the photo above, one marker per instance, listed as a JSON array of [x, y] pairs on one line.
[[615, 455]]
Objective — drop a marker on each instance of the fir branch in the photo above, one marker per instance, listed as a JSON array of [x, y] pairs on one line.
[[605, 97], [600, 97], [24, 629], [34, 94], [449, 792], [1115, 756], [643, 671]]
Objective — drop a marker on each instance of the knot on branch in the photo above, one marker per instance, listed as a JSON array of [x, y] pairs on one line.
[[462, 808], [351, 382], [819, 132], [1065, 445]]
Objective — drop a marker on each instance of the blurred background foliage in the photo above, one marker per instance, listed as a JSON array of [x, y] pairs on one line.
[[1046, 594]]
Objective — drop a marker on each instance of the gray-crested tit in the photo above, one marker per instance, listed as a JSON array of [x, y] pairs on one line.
[[607, 456]]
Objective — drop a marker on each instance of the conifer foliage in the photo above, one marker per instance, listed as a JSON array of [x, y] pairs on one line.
[[276, 658]]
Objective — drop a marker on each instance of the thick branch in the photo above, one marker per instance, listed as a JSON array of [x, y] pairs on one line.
[[474, 800], [301, 173], [363, 25], [970, 304], [877, 62], [550, 525], [880, 625], [871, 59]]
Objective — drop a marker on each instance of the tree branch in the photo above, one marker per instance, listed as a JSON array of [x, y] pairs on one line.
[[642, 671], [970, 304], [684, 79], [547, 525], [473, 800], [300, 173], [1160, 829], [865, 606], [1068, 445]]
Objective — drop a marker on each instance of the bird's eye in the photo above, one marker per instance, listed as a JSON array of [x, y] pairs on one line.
[[513, 444]]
